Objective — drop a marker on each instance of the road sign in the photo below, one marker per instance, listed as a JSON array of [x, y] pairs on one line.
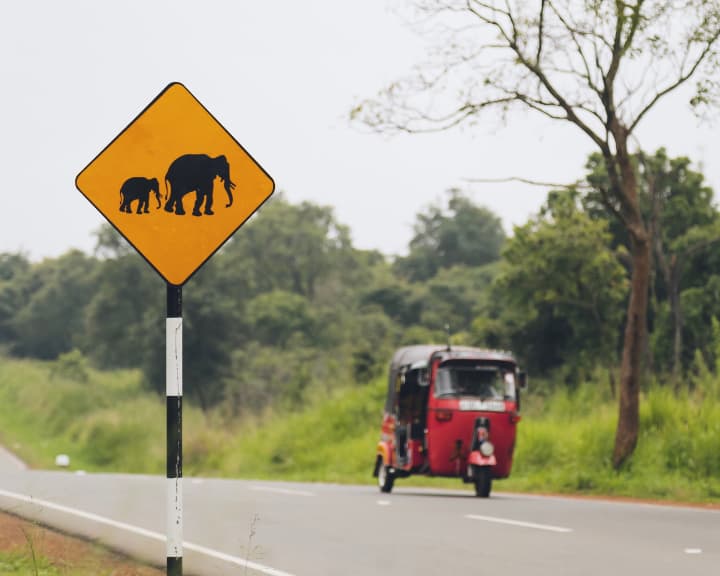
[[175, 184]]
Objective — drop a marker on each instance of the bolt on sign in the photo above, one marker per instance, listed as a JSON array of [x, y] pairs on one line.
[[175, 184]]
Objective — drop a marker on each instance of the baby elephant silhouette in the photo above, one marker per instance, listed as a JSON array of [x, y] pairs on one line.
[[138, 188]]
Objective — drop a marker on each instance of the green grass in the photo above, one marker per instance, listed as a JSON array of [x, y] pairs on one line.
[[24, 564], [566, 447], [333, 441], [565, 440], [46, 553], [104, 422]]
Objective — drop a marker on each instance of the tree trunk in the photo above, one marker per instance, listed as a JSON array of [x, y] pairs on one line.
[[626, 435], [611, 379], [629, 417], [676, 310]]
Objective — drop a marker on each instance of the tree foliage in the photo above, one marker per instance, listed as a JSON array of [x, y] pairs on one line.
[[126, 293], [460, 234], [54, 293], [12, 268], [564, 286], [682, 224], [268, 325], [601, 66]]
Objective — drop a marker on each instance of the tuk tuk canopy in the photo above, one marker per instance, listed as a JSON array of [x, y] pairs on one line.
[[415, 356]]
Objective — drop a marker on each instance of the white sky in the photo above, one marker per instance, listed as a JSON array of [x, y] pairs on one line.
[[281, 76]]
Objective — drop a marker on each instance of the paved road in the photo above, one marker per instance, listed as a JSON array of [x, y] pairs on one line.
[[286, 529], [9, 462]]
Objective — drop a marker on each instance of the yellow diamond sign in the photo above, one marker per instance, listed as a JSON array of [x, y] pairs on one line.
[[175, 184]]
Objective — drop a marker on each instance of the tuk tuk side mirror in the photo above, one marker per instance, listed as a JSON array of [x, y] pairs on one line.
[[522, 379]]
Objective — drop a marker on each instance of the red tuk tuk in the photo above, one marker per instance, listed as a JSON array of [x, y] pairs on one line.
[[450, 412]]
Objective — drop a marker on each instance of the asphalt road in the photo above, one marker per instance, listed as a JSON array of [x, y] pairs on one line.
[[285, 529], [9, 462]]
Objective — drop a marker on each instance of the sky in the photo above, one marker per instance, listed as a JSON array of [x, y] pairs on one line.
[[281, 77]]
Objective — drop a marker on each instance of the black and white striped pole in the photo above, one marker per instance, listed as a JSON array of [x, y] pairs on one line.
[[173, 388], [145, 147]]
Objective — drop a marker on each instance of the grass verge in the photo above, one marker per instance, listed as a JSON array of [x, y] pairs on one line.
[[106, 422], [27, 549]]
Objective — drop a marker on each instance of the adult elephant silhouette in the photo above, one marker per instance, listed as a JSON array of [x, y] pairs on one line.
[[196, 173], [138, 188]]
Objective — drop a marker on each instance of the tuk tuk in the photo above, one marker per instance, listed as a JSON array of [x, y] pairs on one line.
[[450, 412]]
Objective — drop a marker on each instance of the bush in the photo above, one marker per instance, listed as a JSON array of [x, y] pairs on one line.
[[71, 366]]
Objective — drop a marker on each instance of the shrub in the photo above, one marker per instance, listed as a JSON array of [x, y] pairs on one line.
[[71, 366]]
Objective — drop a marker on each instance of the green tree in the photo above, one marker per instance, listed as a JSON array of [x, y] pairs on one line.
[[454, 296], [288, 280], [55, 293], [125, 321], [126, 293], [601, 66], [563, 288], [682, 223], [374, 337], [459, 234], [288, 247], [212, 329], [397, 299], [701, 308], [12, 268], [278, 315]]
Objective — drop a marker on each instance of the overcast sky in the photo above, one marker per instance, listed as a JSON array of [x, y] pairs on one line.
[[281, 76]]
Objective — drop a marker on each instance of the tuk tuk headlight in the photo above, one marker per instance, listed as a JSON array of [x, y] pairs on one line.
[[487, 448]]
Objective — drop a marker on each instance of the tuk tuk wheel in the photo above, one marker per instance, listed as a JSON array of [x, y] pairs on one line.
[[386, 479], [483, 481]]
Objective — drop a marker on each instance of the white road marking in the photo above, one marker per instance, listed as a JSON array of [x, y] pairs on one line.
[[519, 523], [281, 491], [143, 532], [235, 560], [383, 502], [693, 550]]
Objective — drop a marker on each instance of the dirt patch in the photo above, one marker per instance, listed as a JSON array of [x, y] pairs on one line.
[[66, 552]]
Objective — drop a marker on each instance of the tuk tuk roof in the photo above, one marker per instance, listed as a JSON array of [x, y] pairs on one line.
[[422, 353], [418, 354]]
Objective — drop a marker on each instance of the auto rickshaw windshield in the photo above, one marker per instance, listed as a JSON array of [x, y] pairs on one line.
[[484, 381]]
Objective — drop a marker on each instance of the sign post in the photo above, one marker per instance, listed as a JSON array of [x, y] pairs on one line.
[[176, 185], [173, 394]]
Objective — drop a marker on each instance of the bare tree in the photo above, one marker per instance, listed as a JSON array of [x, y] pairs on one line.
[[601, 65]]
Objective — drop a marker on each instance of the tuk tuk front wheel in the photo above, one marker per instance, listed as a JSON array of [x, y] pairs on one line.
[[385, 477], [482, 477]]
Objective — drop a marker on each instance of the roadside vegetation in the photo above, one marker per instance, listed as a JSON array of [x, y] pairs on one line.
[[288, 330], [564, 442], [609, 296], [27, 549], [575, 65]]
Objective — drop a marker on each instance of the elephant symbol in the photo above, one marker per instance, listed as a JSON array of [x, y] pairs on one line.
[[196, 173], [138, 188]]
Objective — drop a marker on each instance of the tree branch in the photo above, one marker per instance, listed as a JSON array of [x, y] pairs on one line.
[[540, 31], [574, 33], [577, 185], [681, 80]]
